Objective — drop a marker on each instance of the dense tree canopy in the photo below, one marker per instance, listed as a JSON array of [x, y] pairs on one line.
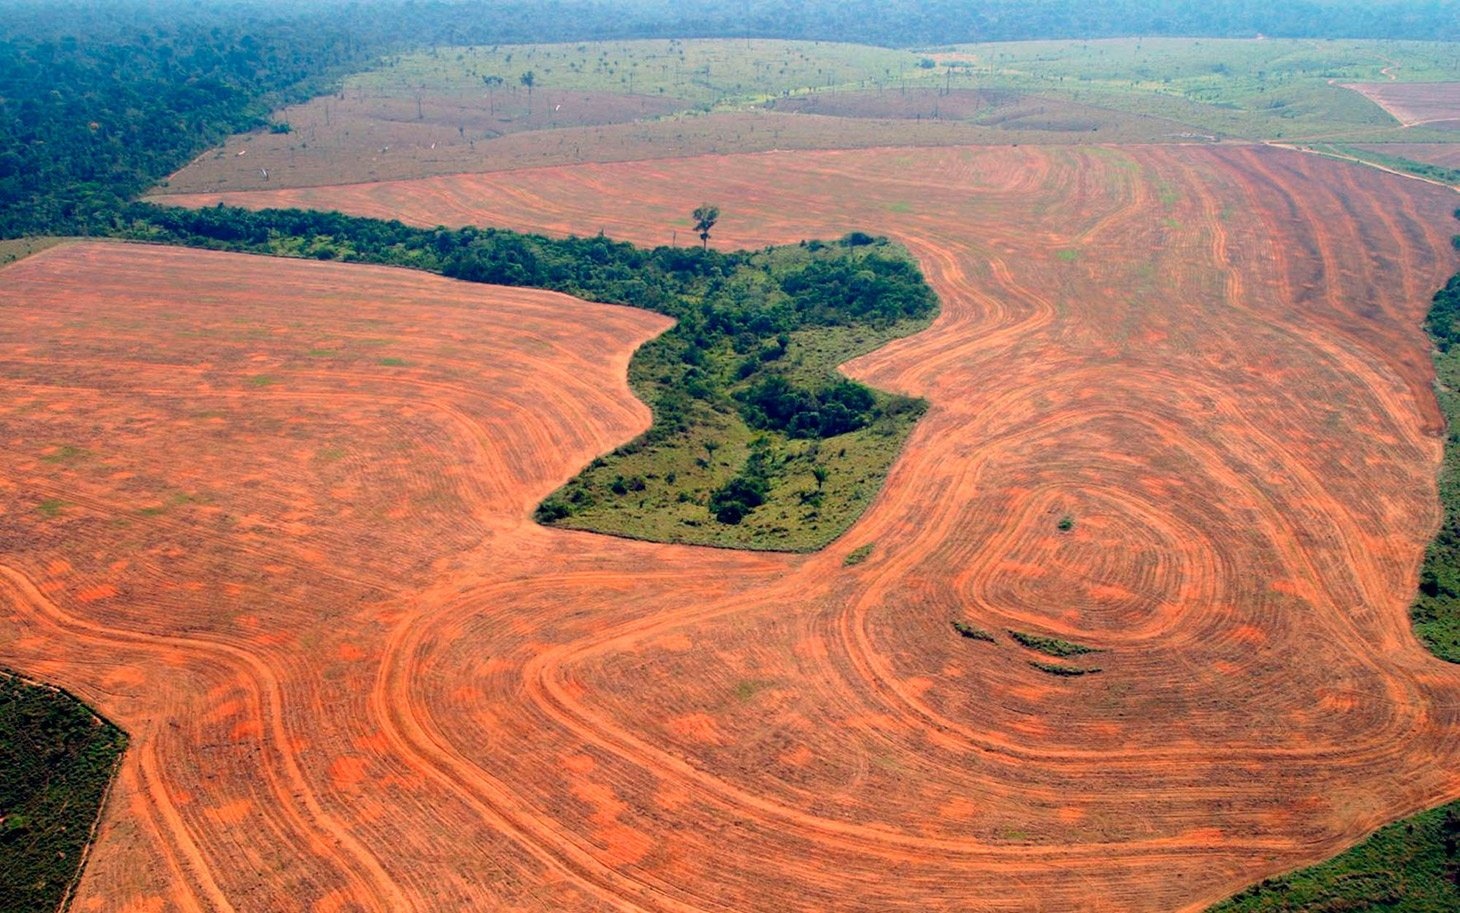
[[56, 759]]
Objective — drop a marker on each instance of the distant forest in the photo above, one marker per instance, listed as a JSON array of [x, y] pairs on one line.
[[100, 100]]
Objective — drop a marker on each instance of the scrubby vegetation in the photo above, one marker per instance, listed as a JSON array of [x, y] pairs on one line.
[[1050, 646], [1411, 866], [56, 761], [858, 555], [756, 441], [967, 630], [1436, 610]]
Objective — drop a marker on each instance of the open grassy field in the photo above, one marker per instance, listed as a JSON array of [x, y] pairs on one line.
[[468, 109], [19, 248], [1442, 155], [1213, 463], [1253, 89], [702, 73]]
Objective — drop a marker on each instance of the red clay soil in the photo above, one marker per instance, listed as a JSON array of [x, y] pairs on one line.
[[1435, 104], [363, 136], [357, 678], [361, 144]]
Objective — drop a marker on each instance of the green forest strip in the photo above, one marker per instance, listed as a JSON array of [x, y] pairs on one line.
[[757, 441], [57, 759], [1436, 610], [1411, 866]]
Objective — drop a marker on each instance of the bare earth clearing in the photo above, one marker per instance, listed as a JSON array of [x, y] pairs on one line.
[[369, 138], [1412, 103], [271, 517]]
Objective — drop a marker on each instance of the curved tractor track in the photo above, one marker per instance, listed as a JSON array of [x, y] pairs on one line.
[[271, 517]]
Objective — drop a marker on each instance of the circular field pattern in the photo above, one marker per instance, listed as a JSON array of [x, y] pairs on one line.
[[272, 518]]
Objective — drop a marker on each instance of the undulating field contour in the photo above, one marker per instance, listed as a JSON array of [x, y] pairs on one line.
[[272, 518]]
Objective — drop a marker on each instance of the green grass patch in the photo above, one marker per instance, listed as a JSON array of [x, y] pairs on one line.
[[1063, 671], [262, 380], [747, 689], [1050, 646], [393, 362], [19, 248], [67, 453], [1409, 866], [967, 630], [175, 499], [1259, 89], [1068, 255], [56, 762], [858, 555], [50, 507]]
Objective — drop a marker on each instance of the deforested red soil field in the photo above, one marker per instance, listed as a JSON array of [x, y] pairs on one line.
[[363, 136], [272, 518], [1436, 104], [366, 139]]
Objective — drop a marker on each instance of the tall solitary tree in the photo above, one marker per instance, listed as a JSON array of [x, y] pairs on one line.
[[529, 79], [493, 83], [705, 218]]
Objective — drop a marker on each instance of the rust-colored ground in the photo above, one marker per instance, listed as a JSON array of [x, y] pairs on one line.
[[363, 136], [357, 678], [368, 141], [1436, 104]]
